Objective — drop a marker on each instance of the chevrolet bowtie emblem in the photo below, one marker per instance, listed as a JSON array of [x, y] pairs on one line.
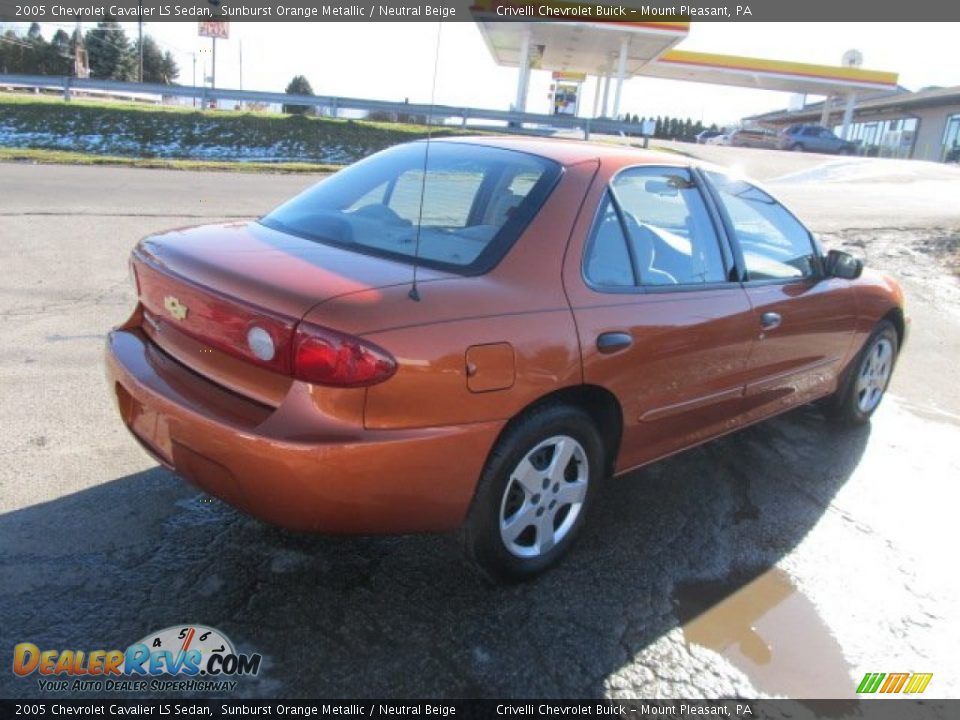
[[175, 307]]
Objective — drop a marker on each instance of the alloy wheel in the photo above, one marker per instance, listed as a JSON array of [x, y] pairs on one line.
[[874, 375], [544, 496]]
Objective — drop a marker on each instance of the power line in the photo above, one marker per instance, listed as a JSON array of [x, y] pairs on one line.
[[19, 43]]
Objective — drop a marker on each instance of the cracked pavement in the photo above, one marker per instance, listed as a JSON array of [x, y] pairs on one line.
[[786, 560]]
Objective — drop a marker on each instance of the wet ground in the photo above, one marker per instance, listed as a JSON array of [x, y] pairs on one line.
[[787, 560]]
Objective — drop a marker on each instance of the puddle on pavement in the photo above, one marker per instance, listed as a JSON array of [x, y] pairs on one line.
[[769, 630]]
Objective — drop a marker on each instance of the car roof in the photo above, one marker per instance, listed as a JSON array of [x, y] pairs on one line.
[[570, 152]]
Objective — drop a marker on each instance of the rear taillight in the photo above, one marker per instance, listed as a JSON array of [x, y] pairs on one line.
[[328, 357]]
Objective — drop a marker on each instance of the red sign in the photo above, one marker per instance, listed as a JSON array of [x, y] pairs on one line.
[[214, 29]]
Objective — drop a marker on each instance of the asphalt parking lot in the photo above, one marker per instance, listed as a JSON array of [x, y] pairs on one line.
[[786, 560]]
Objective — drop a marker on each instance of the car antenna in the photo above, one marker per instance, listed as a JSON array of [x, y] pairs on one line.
[[414, 293]]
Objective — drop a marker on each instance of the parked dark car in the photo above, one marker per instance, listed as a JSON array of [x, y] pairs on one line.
[[814, 138], [754, 137]]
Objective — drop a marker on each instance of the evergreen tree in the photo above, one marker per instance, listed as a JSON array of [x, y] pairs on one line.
[[158, 66], [31, 54], [56, 57], [299, 86], [13, 51], [111, 55]]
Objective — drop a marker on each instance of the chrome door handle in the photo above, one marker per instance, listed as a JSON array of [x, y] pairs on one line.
[[770, 320], [611, 342]]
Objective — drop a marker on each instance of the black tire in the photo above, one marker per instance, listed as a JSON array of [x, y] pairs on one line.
[[846, 406], [498, 488], [797, 147]]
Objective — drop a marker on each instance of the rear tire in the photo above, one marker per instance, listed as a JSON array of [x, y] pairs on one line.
[[865, 382], [534, 492], [797, 147]]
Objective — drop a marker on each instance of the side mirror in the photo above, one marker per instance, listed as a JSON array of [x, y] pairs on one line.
[[843, 265]]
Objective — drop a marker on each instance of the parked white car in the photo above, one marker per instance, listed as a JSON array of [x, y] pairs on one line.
[[722, 139]]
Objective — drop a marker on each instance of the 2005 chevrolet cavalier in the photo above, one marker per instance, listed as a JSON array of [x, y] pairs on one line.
[[578, 311]]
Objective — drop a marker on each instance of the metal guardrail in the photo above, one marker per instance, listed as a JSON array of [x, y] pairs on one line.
[[330, 103]]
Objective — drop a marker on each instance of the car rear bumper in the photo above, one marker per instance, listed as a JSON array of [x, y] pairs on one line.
[[291, 466]]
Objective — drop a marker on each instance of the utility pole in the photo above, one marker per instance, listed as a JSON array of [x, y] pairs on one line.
[[140, 41], [241, 70], [194, 54], [81, 64]]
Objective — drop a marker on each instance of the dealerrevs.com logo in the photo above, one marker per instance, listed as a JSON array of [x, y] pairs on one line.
[[181, 658]]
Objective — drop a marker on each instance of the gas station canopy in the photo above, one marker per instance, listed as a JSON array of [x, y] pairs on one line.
[[792, 77], [580, 46], [621, 50]]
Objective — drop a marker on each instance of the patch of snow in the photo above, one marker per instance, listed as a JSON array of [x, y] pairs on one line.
[[119, 144], [871, 170]]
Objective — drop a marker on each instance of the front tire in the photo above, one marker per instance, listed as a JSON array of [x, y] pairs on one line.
[[534, 493], [866, 382]]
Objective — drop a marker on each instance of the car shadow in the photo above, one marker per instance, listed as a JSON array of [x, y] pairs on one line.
[[406, 616]]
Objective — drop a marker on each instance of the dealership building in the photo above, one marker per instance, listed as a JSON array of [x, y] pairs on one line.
[[924, 125]]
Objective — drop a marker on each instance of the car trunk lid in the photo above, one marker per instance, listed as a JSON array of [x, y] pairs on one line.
[[203, 290]]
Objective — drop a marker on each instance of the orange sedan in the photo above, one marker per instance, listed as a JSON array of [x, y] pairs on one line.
[[478, 333]]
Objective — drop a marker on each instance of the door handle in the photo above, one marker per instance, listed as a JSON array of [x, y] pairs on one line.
[[770, 320], [611, 342]]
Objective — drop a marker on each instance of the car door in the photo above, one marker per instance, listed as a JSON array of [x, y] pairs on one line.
[[812, 141], [663, 324], [825, 140], [804, 321]]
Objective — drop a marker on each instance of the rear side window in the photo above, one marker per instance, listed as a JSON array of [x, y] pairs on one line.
[[672, 238], [454, 206], [607, 263], [775, 245]]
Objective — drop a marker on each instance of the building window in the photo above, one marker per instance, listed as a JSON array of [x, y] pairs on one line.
[[950, 148]]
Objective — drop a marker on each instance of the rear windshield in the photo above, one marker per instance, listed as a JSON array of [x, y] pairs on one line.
[[462, 216]]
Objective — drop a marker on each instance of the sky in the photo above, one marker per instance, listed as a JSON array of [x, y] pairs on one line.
[[394, 61]]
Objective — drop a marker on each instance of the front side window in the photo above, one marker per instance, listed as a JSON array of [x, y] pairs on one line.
[[453, 206], [672, 238], [775, 244]]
